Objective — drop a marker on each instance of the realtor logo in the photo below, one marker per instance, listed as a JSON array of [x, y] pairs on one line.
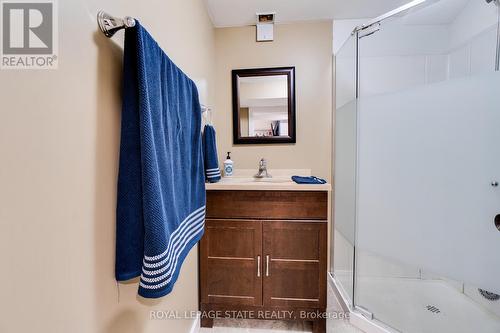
[[29, 34]]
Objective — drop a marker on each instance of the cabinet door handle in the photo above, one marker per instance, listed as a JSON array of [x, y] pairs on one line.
[[258, 266], [267, 265]]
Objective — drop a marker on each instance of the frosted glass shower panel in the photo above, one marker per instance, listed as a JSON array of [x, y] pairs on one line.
[[427, 158], [345, 168]]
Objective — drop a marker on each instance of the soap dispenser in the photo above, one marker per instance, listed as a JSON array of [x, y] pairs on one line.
[[228, 166]]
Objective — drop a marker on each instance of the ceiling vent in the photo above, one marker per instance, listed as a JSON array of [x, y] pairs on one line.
[[265, 27]]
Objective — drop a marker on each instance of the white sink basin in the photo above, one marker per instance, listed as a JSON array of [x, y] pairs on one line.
[[271, 180], [245, 180]]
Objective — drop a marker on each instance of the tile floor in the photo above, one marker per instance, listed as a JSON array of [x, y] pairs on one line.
[[270, 326]]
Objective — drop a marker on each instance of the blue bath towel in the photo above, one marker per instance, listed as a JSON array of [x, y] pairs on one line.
[[308, 180], [161, 185], [212, 171]]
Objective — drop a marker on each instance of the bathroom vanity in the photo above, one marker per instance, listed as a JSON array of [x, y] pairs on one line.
[[264, 252]]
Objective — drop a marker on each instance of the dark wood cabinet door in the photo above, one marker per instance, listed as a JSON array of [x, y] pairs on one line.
[[294, 264], [230, 254]]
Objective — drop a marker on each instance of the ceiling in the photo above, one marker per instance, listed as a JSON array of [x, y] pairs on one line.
[[440, 12], [227, 13]]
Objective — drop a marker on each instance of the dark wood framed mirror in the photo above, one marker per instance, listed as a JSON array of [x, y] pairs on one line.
[[264, 105]]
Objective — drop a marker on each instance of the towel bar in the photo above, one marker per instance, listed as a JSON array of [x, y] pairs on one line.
[[109, 25]]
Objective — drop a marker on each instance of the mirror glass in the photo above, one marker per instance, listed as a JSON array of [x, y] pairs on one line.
[[263, 110], [263, 106]]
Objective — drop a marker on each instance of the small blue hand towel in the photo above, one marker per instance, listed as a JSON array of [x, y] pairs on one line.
[[308, 180], [160, 210], [212, 171]]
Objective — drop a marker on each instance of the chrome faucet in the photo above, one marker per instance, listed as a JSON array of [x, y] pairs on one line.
[[262, 169]]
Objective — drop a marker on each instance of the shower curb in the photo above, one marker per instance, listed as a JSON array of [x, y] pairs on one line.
[[355, 317]]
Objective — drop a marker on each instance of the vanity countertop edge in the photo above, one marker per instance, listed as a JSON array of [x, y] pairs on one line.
[[261, 186]]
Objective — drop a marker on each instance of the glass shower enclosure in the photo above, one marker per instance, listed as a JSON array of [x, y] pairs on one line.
[[416, 239]]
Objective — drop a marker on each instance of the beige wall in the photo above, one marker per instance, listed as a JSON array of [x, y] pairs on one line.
[[244, 121], [308, 47], [264, 89], [59, 139]]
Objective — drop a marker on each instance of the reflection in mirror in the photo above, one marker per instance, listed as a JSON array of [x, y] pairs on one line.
[[264, 105]]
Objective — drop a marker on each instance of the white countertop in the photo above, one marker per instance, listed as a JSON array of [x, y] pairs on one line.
[[281, 181]]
